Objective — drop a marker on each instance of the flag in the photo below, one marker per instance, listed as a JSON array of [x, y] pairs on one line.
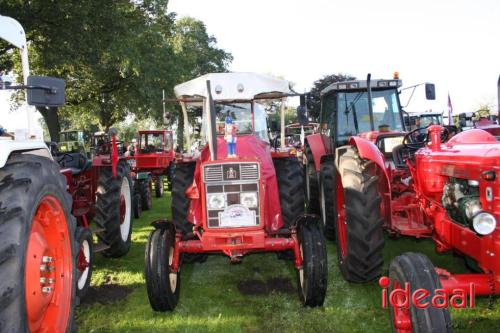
[[450, 111]]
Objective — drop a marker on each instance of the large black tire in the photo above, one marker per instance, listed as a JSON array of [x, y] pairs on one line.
[[170, 175], [181, 180], [159, 186], [116, 235], [363, 258], [145, 190], [417, 270], [24, 181], [311, 182], [137, 205], [84, 241], [291, 188], [312, 278], [327, 198], [163, 286]]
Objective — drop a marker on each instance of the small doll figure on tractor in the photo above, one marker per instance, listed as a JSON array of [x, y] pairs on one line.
[[230, 136]]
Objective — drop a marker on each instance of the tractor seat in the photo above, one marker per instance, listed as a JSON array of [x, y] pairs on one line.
[[77, 162], [400, 154]]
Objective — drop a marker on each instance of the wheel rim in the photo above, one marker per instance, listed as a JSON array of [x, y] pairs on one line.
[[48, 269], [125, 210], [83, 263], [172, 276], [401, 319], [341, 219], [301, 271]]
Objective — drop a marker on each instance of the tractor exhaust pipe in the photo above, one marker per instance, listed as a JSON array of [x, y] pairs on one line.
[[211, 124], [370, 106]]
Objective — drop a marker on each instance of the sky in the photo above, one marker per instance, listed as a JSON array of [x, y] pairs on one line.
[[454, 44]]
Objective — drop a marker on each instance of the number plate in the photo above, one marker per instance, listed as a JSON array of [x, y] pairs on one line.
[[237, 216]]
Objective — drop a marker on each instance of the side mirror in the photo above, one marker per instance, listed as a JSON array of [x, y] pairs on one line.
[[430, 91], [274, 126], [46, 91]]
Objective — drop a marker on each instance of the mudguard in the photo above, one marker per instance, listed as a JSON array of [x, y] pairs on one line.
[[368, 151], [318, 149]]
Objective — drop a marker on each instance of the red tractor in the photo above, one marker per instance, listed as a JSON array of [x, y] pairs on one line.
[[374, 176], [236, 197], [150, 161], [101, 188]]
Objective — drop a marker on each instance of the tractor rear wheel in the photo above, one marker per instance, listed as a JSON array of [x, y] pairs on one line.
[[159, 186], [163, 286], [311, 183], [146, 190], [181, 180], [84, 260], [419, 272], [312, 276], [327, 198], [114, 210], [37, 247], [137, 205], [359, 223], [291, 189]]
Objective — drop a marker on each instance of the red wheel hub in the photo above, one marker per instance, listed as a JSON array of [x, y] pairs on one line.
[[341, 220], [402, 316], [123, 208], [48, 269]]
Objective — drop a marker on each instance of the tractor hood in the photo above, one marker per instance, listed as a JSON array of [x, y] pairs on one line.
[[248, 148]]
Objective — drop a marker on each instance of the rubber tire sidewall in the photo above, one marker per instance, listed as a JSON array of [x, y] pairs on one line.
[[82, 234]]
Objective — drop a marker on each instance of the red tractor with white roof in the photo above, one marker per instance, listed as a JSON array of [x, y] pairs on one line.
[[236, 197], [373, 176], [37, 230], [151, 161]]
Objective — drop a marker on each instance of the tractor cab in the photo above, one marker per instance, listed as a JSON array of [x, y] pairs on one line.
[[73, 141], [414, 120], [154, 142]]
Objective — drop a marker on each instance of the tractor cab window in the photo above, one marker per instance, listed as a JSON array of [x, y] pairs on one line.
[[354, 117], [260, 122], [328, 111], [240, 115], [427, 120], [70, 136], [152, 142]]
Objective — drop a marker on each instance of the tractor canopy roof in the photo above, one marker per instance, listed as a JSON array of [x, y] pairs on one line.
[[362, 85], [233, 87]]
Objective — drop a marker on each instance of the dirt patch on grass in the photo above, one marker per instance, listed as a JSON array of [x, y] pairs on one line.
[[261, 288], [106, 294]]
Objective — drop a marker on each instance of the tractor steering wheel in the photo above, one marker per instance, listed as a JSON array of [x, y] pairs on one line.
[[62, 161], [419, 137]]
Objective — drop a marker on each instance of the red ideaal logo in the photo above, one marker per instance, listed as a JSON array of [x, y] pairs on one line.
[[441, 298]]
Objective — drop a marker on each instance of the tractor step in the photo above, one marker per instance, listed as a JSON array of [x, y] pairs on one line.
[[99, 247]]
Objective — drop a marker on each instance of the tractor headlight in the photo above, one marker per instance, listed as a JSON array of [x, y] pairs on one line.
[[216, 201], [249, 199], [484, 223]]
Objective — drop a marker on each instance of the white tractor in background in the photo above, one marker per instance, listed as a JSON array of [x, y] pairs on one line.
[[37, 230]]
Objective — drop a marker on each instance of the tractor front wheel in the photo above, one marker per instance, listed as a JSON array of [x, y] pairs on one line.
[[312, 276], [327, 198], [37, 247], [159, 186], [419, 272], [359, 222], [84, 260], [137, 205], [311, 182], [163, 286], [290, 185], [114, 210]]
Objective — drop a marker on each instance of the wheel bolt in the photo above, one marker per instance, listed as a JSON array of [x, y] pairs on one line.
[[46, 259], [51, 280], [43, 280], [46, 290], [43, 268]]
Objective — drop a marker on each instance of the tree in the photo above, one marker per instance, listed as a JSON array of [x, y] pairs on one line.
[[314, 100]]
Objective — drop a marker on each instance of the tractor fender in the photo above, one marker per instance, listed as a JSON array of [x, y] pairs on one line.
[[163, 224], [368, 151], [7, 147], [318, 149]]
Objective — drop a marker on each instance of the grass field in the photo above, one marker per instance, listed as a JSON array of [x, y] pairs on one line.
[[258, 295]]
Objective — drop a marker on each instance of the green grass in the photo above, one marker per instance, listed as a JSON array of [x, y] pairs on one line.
[[210, 300]]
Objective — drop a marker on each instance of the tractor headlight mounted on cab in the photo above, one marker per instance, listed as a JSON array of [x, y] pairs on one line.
[[484, 223], [249, 199], [216, 201]]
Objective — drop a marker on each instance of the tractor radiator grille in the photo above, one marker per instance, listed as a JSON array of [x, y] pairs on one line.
[[246, 171]]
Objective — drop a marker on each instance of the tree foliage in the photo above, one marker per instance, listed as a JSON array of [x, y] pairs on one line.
[[116, 56], [314, 100]]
